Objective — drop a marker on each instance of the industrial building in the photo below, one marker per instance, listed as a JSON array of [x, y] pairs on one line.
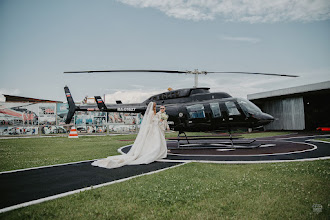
[[298, 108]]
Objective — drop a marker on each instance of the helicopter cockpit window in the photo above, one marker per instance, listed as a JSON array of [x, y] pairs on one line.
[[248, 106], [232, 110], [215, 110], [196, 111]]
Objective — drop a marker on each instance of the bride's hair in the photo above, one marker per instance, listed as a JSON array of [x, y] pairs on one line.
[[154, 107]]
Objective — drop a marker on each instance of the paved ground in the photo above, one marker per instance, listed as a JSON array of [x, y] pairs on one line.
[[24, 186]]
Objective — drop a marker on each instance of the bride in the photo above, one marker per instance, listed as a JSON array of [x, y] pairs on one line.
[[149, 145]]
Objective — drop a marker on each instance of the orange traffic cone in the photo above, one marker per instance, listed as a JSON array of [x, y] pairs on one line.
[[73, 133]]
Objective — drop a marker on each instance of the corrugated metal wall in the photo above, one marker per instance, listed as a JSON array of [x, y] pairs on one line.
[[288, 114]]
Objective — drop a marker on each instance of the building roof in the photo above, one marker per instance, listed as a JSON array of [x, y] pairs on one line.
[[299, 90], [12, 98]]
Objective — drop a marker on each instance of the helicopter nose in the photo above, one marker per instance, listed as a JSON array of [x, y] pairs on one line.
[[266, 119]]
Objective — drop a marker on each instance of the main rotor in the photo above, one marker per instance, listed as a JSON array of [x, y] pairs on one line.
[[195, 72]]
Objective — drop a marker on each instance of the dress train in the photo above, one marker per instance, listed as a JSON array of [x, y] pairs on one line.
[[149, 145]]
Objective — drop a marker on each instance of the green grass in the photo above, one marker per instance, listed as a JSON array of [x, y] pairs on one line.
[[201, 191], [33, 152], [22, 153]]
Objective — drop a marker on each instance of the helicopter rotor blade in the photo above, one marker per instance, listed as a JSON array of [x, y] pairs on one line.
[[252, 73], [118, 71], [177, 71]]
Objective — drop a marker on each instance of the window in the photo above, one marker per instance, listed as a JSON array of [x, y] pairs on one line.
[[199, 91], [215, 110], [248, 106], [196, 111], [232, 110]]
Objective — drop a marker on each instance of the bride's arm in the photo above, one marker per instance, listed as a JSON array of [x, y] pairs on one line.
[[157, 117]]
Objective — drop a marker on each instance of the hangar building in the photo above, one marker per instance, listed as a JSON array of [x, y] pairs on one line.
[[298, 108]]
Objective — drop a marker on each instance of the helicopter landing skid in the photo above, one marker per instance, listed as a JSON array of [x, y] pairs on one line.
[[209, 143], [216, 146]]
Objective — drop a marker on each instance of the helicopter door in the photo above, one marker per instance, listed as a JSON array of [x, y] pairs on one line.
[[197, 116], [217, 116], [216, 113], [233, 115]]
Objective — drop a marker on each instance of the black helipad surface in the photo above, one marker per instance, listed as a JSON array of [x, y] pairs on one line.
[[292, 148], [23, 186]]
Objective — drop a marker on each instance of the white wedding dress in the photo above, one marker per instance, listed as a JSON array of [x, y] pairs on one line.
[[149, 145]]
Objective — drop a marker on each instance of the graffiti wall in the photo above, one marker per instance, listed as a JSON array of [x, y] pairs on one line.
[[124, 118], [124, 122], [61, 112], [12, 130], [18, 114], [47, 114], [49, 118]]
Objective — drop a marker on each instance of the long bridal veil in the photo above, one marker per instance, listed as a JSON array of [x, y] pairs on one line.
[[148, 146]]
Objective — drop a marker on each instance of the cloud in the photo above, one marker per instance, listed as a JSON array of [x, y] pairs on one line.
[[241, 39], [130, 96], [8, 92], [251, 11]]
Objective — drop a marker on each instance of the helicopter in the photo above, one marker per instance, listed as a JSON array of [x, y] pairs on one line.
[[190, 109]]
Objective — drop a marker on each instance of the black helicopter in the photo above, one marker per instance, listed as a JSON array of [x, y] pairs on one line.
[[191, 109]]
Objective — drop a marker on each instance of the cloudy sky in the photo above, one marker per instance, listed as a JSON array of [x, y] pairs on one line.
[[40, 39]]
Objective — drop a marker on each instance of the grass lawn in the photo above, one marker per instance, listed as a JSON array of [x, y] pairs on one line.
[[201, 191], [33, 152]]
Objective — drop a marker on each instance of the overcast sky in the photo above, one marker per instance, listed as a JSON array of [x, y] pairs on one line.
[[40, 39]]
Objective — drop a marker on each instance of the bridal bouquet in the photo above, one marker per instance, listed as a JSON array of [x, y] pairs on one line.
[[163, 116]]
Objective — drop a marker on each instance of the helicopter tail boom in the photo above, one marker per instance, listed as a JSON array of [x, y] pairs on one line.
[[100, 106]]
